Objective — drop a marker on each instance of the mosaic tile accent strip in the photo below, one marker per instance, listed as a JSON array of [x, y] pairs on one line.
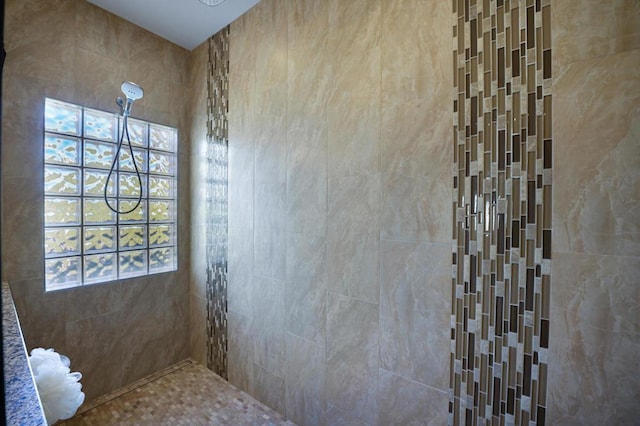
[[184, 394], [501, 211], [217, 200]]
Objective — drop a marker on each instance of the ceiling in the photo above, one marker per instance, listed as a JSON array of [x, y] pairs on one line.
[[186, 23]]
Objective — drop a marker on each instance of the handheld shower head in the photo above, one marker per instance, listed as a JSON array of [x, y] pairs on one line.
[[132, 92]]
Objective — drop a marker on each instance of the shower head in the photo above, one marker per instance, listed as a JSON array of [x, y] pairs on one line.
[[132, 92]]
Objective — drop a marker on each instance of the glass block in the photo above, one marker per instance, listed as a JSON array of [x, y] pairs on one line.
[[160, 211], [99, 155], [126, 163], [61, 211], [100, 267], [62, 273], [138, 215], [160, 187], [161, 163], [161, 259], [138, 132], [61, 242], [96, 211], [161, 235], [129, 185], [99, 238], [132, 237], [94, 181], [61, 180], [61, 150], [100, 125], [61, 117], [133, 263], [162, 137]]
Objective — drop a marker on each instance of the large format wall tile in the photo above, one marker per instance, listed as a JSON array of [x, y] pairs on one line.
[[268, 325], [352, 356], [23, 121], [269, 388], [241, 204], [145, 312], [240, 294], [29, 22], [48, 61], [270, 29], [594, 295], [585, 29], [601, 291], [306, 286], [307, 181], [355, 129], [597, 193], [87, 301], [270, 229], [354, 99], [103, 33], [413, 317], [41, 314], [95, 348], [198, 169], [353, 237], [337, 416], [353, 134], [589, 378], [404, 402], [198, 215], [198, 328], [412, 208], [595, 302], [354, 42], [271, 137], [307, 83], [415, 137], [305, 382], [240, 350], [415, 55], [22, 235], [107, 74], [175, 299], [309, 79]]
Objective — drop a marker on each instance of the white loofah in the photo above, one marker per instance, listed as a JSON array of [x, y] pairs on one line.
[[60, 390]]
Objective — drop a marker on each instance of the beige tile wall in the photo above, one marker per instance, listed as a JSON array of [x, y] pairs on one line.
[[351, 228], [594, 341], [197, 116], [118, 332], [339, 193]]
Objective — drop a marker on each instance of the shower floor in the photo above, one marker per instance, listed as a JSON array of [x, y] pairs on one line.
[[184, 394]]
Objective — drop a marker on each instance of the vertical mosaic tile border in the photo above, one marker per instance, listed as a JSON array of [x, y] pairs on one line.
[[217, 199], [501, 211]]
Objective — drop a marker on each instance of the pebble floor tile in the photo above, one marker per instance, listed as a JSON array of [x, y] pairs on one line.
[[184, 394]]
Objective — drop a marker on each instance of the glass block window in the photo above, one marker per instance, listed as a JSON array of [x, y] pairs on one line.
[[84, 241]]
